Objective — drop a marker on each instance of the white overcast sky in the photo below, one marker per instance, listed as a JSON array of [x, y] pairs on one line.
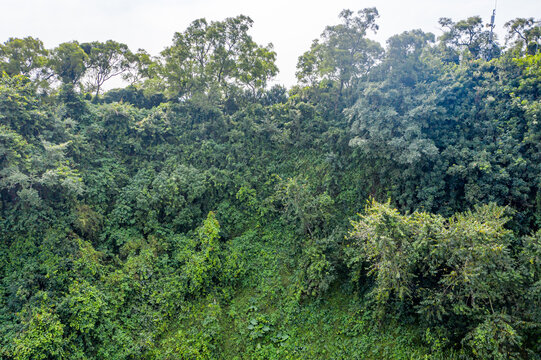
[[290, 25]]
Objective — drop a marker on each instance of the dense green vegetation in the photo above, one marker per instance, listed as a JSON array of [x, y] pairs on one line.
[[386, 207]]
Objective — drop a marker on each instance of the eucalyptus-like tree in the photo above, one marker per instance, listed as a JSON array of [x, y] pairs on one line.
[[524, 34], [25, 56], [106, 60], [469, 34], [216, 58], [344, 54], [68, 62]]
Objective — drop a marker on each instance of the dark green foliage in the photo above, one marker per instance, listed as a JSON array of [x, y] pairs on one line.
[[197, 214], [68, 62], [154, 200], [135, 96]]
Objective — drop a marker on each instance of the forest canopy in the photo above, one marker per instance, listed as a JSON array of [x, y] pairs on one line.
[[387, 206]]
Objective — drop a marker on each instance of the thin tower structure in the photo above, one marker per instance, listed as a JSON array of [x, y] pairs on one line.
[[492, 18], [491, 36]]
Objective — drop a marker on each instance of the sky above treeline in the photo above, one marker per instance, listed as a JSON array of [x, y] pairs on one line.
[[290, 25]]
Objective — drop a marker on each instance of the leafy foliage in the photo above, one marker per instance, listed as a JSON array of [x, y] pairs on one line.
[[199, 214]]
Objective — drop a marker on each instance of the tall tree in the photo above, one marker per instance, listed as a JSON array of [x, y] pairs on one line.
[[144, 67], [22, 56], [105, 61], [212, 58], [343, 54], [469, 34], [67, 61], [525, 34]]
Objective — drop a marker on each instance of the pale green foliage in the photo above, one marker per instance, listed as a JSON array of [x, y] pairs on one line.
[[206, 263], [42, 337], [391, 245], [495, 338], [525, 34], [216, 56], [444, 269], [31, 166], [211, 264], [85, 304], [310, 212], [14, 151], [301, 203], [344, 54], [18, 106], [25, 56], [384, 123]]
